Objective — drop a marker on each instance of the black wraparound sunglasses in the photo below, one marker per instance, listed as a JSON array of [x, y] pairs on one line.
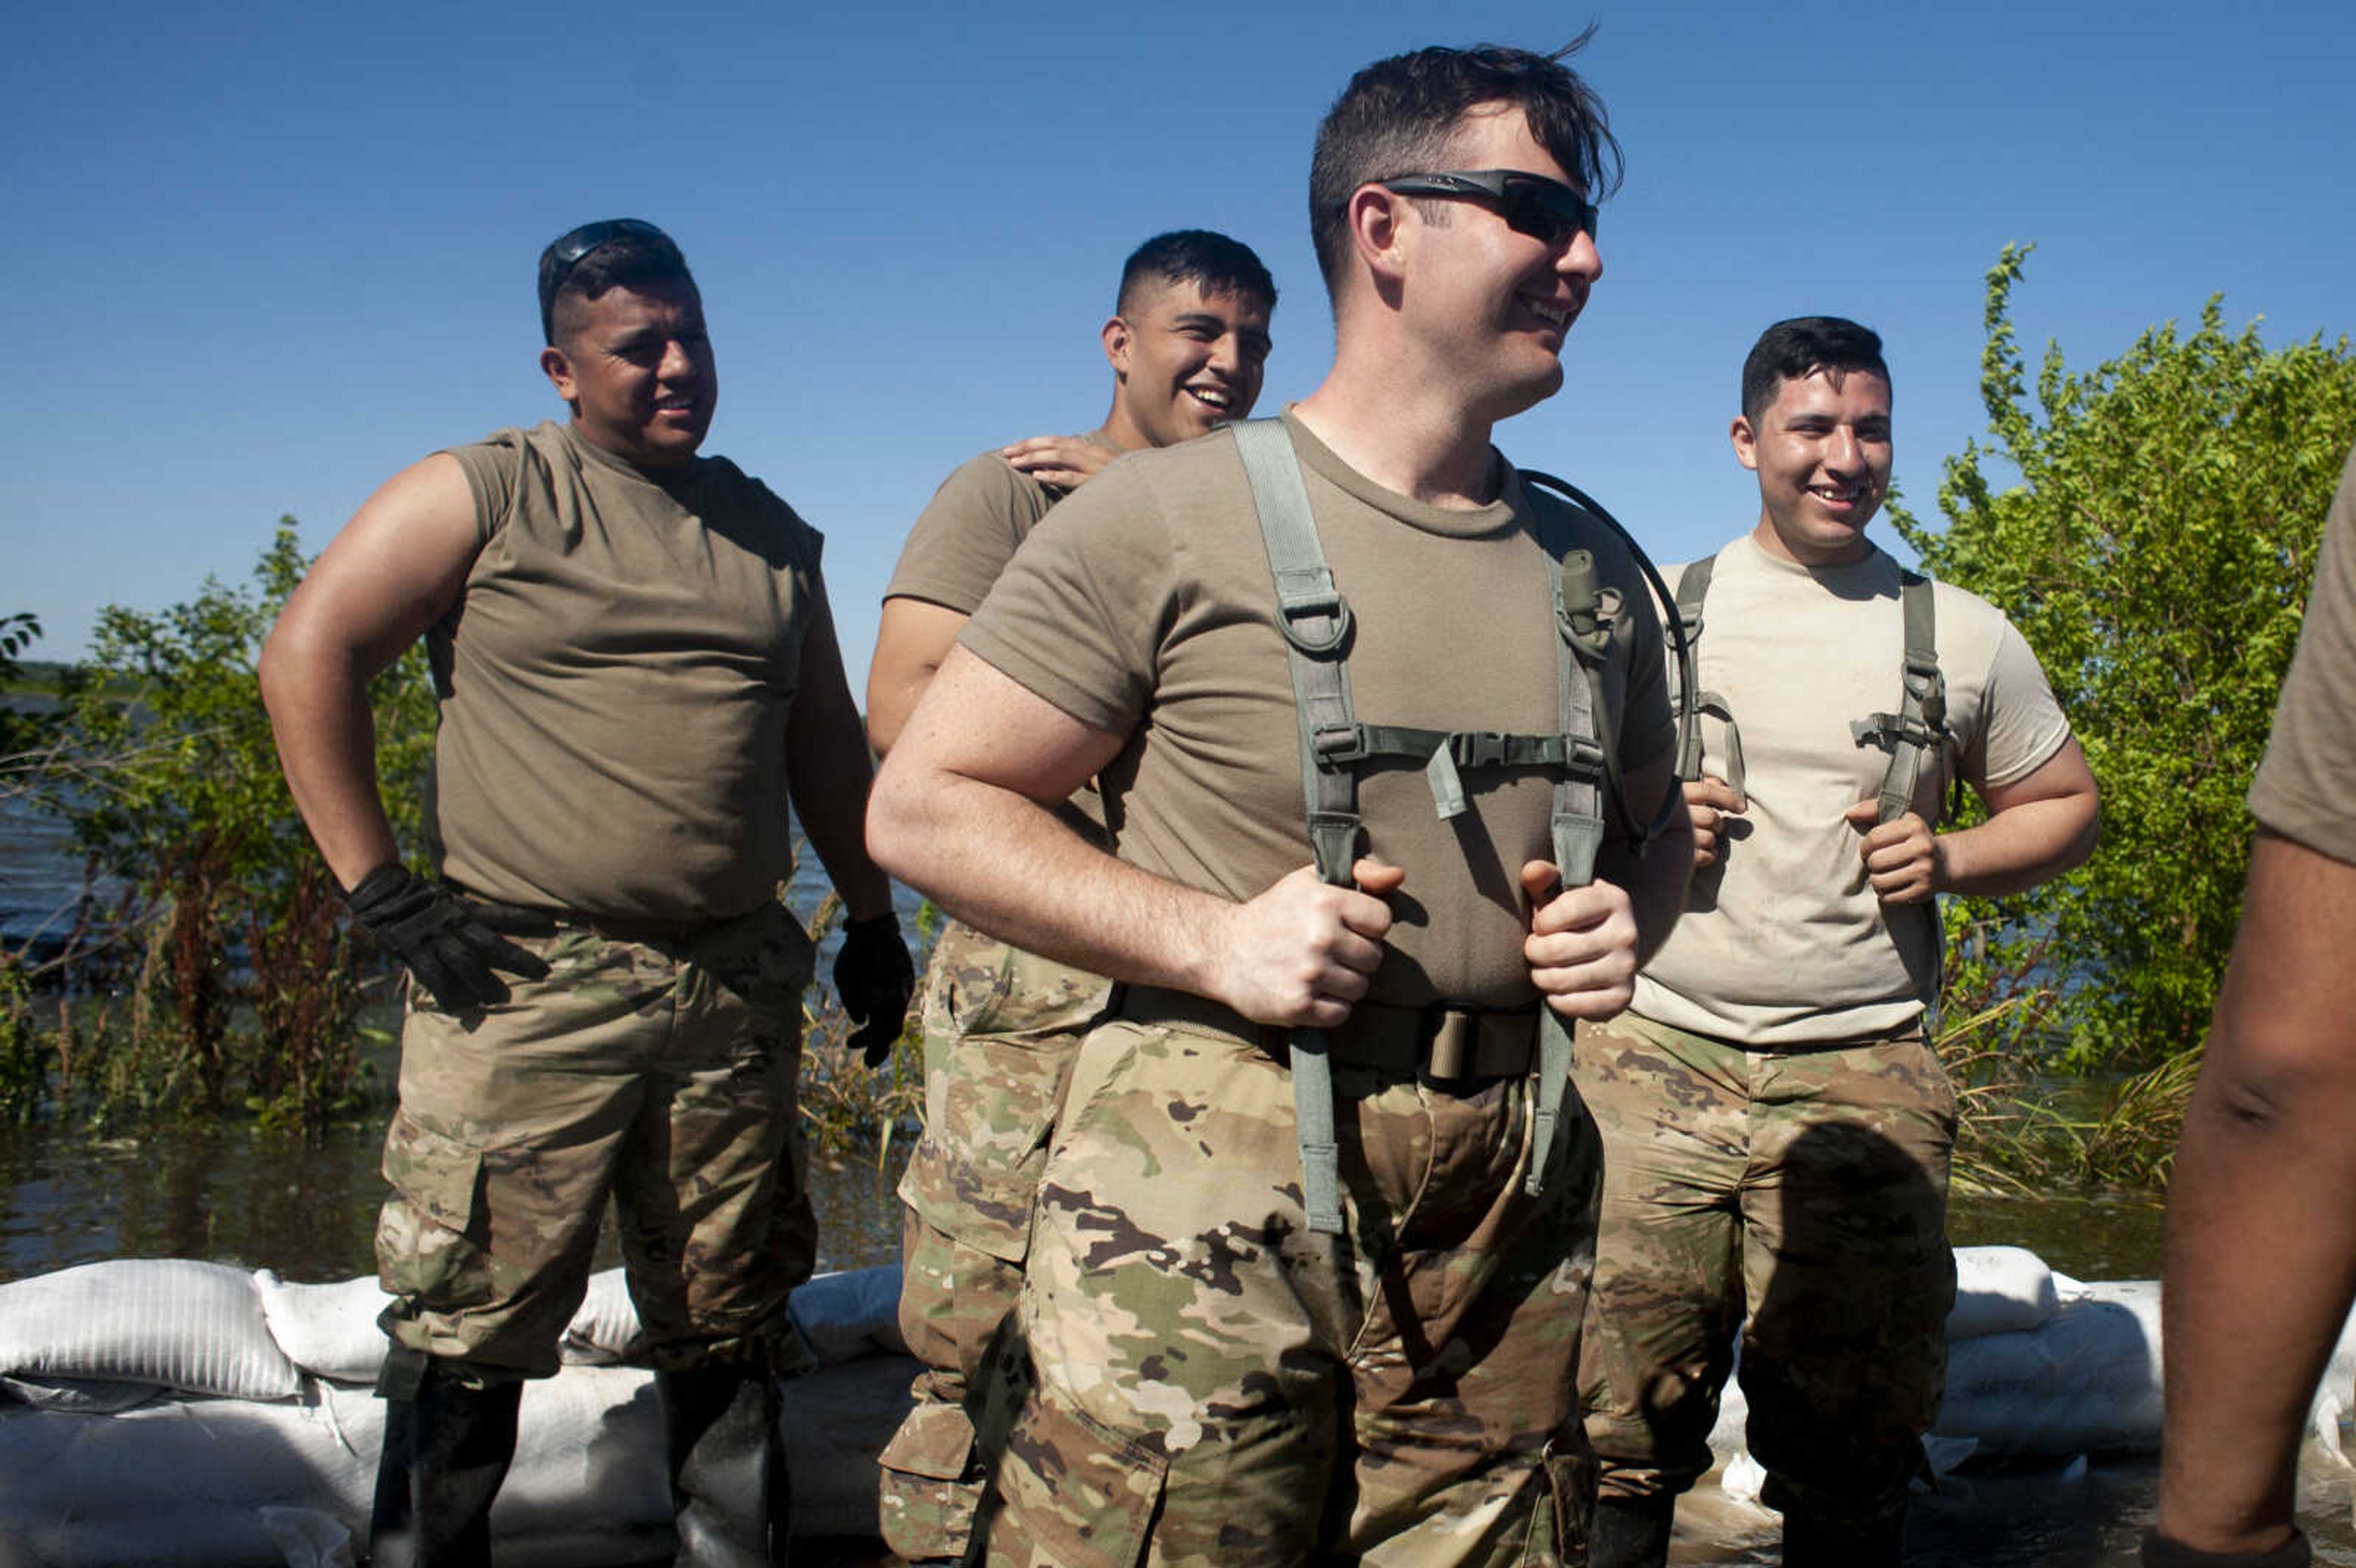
[[1546, 210], [565, 253]]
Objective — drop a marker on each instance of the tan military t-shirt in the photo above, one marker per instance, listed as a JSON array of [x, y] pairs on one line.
[[2305, 788], [616, 680], [1142, 607], [961, 543], [1784, 944], [968, 532]]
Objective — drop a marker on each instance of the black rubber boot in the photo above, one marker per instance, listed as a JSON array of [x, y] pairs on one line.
[[730, 1499], [1631, 1532], [446, 1449], [1816, 1542]]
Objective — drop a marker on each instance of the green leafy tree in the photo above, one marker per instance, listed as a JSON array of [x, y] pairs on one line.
[[21, 731], [179, 794], [2156, 552]]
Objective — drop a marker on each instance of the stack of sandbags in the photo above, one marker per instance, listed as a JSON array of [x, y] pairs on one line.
[[168, 1411]]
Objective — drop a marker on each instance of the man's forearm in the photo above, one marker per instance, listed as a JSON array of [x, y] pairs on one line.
[[2261, 1260], [829, 778], [1006, 865], [2019, 848]]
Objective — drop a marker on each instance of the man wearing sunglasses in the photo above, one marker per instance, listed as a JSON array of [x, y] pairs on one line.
[[1263, 1322], [636, 673], [1187, 342], [1776, 1126]]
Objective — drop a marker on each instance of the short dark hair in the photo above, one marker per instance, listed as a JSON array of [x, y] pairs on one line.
[[1212, 261], [1795, 349], [1396, 117], [637, 257]]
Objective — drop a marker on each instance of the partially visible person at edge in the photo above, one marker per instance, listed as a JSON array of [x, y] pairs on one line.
[[2260, 1266], [1776, 1126], [1239, 1340], [637, 672], [1188, 340]]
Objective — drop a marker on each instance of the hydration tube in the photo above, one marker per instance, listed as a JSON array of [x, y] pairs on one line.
[[1640, 834]]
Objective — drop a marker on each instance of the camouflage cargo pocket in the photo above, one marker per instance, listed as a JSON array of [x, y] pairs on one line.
[[1072, 1494], [929, 1484], [976, 1169], [429, 1244]]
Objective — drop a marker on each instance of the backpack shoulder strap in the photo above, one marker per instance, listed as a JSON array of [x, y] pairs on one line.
[[1918, 729]]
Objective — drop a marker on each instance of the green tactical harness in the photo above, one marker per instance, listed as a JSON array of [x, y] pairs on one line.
[[1910, 735], [1316, 623]]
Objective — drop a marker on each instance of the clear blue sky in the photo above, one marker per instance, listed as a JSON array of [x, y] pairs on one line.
[[259, 257]]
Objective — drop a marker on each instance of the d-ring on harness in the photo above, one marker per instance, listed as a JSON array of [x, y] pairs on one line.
[[1317, 627]]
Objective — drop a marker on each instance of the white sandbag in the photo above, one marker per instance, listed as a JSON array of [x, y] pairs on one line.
[[78, 1393], [307, 1538], [605, 1323], [184, 1483], [2000, 1290], [194, 1327], [2086, 1382], [843, 1316], [328, 1330]]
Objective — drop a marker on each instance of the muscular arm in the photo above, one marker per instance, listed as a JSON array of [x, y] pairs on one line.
[[963, 810], [2038, 828], [828, 773], [399, 564], [911, 639], [2261, 1263]]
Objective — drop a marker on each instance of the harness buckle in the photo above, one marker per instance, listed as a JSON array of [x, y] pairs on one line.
[[1478, 747]]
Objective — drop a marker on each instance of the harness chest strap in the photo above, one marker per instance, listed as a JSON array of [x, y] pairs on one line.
[[1317, 625]]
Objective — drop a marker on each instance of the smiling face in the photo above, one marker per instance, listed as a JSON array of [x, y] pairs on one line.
[[1185, 362], [637, 367], [1822, 451], [1491, 302]]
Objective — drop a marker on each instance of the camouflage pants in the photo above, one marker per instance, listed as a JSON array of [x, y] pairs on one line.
[[1196, 1378], [661, 1072], [1001, 1026], [1809, 1186]]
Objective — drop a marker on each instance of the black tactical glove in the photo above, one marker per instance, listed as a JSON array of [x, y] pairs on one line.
[[874, 979], [432, 930], [2162, 1551]]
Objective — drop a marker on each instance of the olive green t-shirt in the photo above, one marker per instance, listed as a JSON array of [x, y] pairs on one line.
[[615, 684], [2306, 785], [1142, 607], [1783, 942]]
